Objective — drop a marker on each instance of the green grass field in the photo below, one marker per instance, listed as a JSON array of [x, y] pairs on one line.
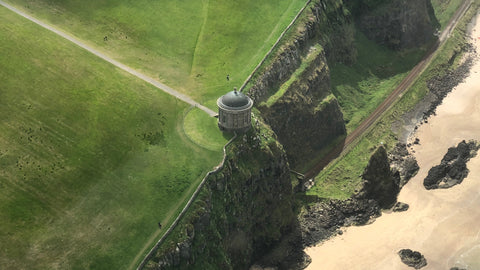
[[91, 158], [191, 45]]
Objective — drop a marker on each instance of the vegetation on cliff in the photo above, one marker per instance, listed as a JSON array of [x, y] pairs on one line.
[[243, 210], [304, 114], [341, 179]]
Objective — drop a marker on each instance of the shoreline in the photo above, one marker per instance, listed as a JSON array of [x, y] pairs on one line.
[[441, 224]]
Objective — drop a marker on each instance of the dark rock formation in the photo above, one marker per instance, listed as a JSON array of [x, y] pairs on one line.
[[453, 167], [440, 86], [329, 24], [304, 119], [412, 258], [324, 219], [404, 166], [307, 117], [379, 181], [399, 24], [400, 207], [241, 213], [456, 268]]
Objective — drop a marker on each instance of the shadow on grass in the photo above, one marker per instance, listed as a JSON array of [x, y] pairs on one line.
[[325, 157], [360, 88]]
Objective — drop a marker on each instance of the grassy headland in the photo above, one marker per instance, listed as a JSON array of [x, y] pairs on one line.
[[91, 158]]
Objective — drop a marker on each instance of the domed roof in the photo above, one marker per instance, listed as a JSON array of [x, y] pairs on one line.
[[234, 100]]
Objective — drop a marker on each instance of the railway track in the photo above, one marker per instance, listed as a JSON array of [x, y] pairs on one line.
[[343, 147]]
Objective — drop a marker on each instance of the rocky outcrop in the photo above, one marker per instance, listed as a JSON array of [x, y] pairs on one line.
[[412, 258], [322, 220], [381, 186], [404, 166], [400, 207], [306, 118], [440, 86], [379, 181], [453, 167], [242, 211], [399, 24]]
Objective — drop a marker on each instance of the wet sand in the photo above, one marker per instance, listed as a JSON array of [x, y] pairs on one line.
[[444, 225]]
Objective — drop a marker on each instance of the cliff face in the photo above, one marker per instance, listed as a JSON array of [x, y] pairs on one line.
[[398, 24], [307, 116], [242, 212], [327, 23]]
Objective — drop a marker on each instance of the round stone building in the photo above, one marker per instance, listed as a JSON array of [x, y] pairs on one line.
[[234, 111]]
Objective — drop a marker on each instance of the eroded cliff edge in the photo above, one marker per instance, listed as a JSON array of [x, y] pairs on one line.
[[242, 211], [307, 117], [294, 93]]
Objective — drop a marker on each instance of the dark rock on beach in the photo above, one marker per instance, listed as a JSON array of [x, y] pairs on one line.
[[400, 207], [440, 86], [404, 166], [324, 219], [412, 258], [380, 183], [453, 167]]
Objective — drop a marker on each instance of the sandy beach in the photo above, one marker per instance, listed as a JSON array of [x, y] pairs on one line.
[[444, 225]]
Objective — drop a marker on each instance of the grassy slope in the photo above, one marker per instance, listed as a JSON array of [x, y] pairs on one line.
[[444, 10], [360, 88], [306, 61], [341, 178], [191, 45], [80, 187]]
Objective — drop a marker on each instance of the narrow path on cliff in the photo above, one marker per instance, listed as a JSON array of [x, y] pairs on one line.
[[126, 68], [351, 138]]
